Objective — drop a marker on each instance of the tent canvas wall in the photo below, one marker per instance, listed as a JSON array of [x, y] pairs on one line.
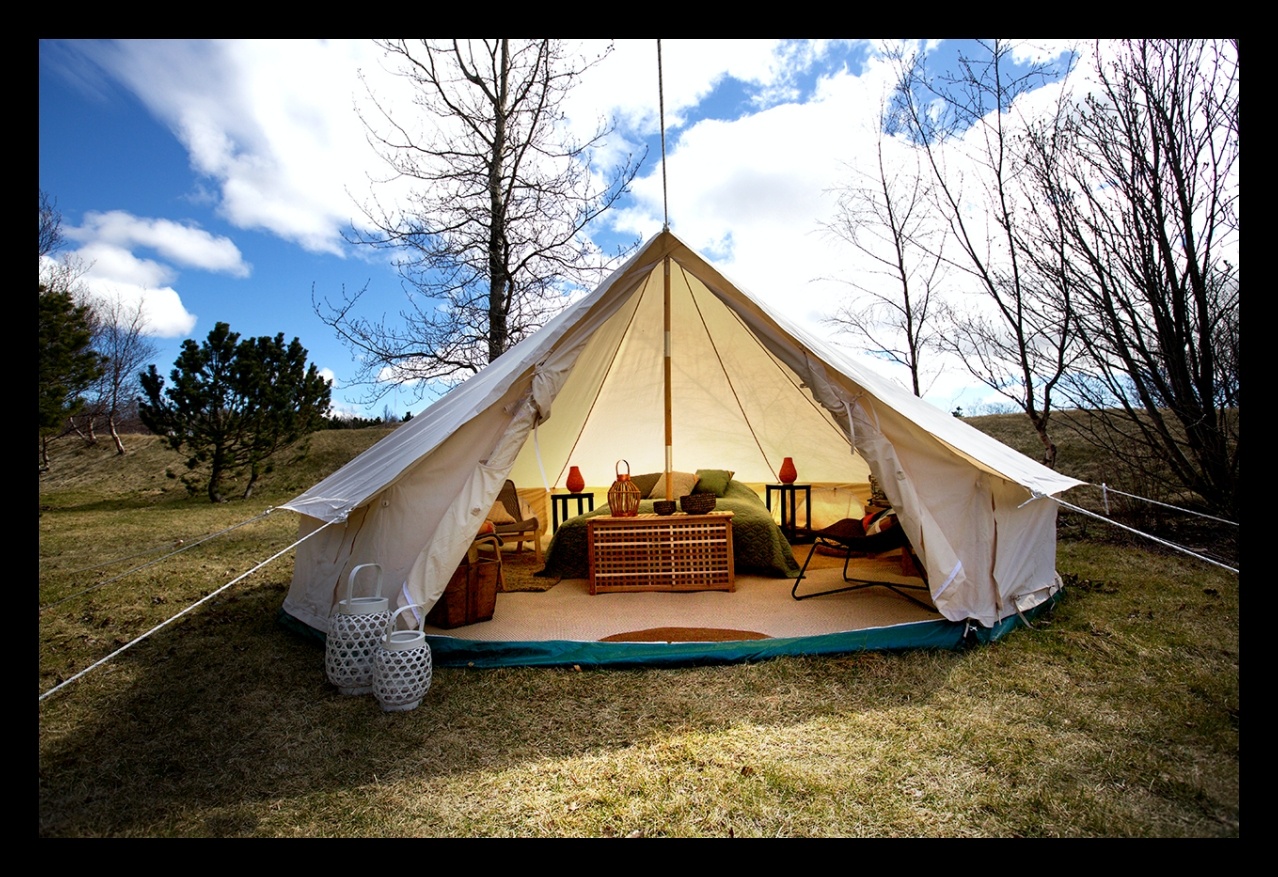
[[748, 390]]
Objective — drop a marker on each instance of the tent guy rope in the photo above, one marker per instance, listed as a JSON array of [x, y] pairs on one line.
[[661, 109], [1133, 530], [1106, 489], [130, 572], [105, 563], [188, 609]]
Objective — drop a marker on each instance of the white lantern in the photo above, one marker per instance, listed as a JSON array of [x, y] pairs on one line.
[[354, 630], [402, 667]]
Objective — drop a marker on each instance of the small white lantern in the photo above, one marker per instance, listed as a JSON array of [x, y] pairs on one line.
[[354, 630], [402, 666]]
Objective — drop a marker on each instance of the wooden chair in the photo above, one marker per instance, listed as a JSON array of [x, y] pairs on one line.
[[521, 529]]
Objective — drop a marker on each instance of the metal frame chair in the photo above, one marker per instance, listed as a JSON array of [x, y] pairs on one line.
[[849, 536]]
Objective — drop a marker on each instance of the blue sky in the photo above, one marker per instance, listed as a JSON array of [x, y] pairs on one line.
[[213, 180]]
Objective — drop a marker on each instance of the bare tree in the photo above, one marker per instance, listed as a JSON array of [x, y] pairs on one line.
[[67, 364], [50, 225], [119, 337], [1018, 338], [887, 218], [1149, 200], [64, 274], [492, 236]]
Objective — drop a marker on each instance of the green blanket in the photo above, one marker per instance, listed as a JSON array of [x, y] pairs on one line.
[[757, 544]]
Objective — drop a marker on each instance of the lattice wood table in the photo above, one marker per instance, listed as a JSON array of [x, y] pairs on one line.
[[661, 553]]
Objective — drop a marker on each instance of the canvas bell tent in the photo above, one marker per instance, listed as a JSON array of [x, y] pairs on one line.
[[747, 389]]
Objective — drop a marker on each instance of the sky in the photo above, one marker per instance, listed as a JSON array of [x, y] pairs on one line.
[[217, 181]]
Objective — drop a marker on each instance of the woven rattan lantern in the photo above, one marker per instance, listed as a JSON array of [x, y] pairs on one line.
[[402, 666], [354, 630], [623, 496]]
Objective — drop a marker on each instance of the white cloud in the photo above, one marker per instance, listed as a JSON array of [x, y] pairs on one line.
[[345, 411], [118, 278], [162, 307], [186, 245], [627, 84], [273, 125], [270, 122], [108, 245], [753, 192], [1042, 51], [109, 263]]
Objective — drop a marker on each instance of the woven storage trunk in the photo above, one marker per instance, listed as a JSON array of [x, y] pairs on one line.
[[655, 553], [471, 594]]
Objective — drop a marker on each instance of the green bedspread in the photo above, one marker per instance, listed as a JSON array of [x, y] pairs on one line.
[[757, 544]]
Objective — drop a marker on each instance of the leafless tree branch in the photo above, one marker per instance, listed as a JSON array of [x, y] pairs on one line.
[[493, 234]]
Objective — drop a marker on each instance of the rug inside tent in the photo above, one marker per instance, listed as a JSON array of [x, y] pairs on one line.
[[564, 625]]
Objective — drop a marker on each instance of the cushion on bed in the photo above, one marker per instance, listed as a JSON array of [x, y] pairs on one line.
[[713, 481], [684, 482], [645, 481]]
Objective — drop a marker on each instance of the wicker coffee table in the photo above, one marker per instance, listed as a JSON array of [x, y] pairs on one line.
[[676, 552]]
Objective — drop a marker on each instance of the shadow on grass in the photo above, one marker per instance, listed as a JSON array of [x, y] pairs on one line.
[[216, 717], [1117, 715]]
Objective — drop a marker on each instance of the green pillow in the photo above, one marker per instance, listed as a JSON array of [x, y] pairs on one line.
[[713, 481]]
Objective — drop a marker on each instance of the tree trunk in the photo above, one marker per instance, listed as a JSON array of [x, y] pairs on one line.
[[87, 433], [1040, 421], [115, 435], [215, 477], [254, 474], [1049, 448], [498, 306]]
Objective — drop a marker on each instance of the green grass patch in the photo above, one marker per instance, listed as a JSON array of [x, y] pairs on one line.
[[1117, 715]]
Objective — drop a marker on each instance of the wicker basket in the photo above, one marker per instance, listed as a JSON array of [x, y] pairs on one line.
[[665, 506], [697, 503]]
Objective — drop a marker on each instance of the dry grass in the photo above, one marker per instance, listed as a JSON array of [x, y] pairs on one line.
[[1117, 716]]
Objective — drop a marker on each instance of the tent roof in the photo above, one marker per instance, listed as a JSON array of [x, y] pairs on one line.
[[736, 371]]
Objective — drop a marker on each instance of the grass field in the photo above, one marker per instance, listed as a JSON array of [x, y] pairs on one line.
[[1116, 716]]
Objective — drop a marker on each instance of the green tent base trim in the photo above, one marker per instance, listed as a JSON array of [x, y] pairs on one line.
[[447, 651]]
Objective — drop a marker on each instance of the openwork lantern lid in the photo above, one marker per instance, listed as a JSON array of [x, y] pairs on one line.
[[623, 496]]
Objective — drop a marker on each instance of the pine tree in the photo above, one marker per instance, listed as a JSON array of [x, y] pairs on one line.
[[67, 363], [233, 403]]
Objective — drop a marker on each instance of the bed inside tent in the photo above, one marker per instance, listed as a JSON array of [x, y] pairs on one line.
[[747, 389]]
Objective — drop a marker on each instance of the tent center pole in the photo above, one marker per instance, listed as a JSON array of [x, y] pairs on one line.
[[669, 423]]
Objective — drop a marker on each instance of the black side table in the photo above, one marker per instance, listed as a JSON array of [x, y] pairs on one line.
[[561, 499], [789, 523]]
